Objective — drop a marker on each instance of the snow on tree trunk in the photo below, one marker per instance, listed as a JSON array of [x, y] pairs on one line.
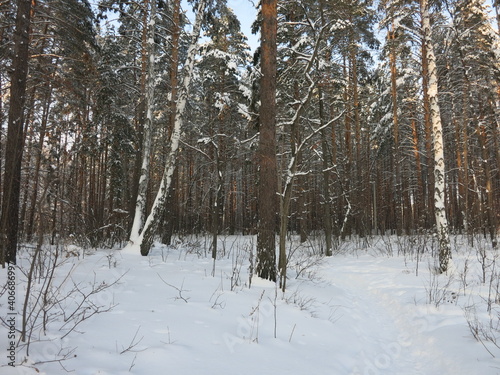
[[442, 228], [174, 67], [145, 239], [327, 217], [140, 206], [291, 172]]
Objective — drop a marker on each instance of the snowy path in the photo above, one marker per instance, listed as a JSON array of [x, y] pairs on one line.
[[396, 337], [386, 331]]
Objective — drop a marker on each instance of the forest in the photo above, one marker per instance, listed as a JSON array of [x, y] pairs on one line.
[[135, 121], [179, 194]]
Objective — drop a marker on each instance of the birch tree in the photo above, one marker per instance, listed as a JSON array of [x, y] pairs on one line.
[[442, 228], [140, 205], [145, 238]]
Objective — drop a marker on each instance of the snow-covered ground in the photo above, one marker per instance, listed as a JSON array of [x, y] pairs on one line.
[[373, 308]]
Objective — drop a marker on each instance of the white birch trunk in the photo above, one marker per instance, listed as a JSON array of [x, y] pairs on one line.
[[140, 205], [145, 239], [442, 228]]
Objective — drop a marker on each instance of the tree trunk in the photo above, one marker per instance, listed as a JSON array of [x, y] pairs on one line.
[[345, 180], [268, 178], [396, 155], [358, 189], [465, 166], [327, 217], [437, 137], [419, 191], [1, 141], [148, 90], [301, 181], [427, 203], [168, 219], [38, 157], [488, 187], [217, 204], [9, 221], [145, 239]]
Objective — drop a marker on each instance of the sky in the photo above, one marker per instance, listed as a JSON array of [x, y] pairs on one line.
[[246, 12]]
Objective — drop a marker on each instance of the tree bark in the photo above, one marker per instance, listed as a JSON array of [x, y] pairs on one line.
[[419, 193], [327, 217], [488, 187], [145, 239], [268, 178], [147, 85], [437, 137], [174, 81], [396, 155], [9, 222], [38, 159], [427, 203]]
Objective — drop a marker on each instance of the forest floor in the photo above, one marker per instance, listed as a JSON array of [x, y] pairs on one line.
[[375, 307]]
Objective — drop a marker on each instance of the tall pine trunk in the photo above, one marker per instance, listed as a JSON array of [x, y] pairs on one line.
[[325, 188], [397, 160], [38, 159], [168, 220], [9, 221], [268, 178]]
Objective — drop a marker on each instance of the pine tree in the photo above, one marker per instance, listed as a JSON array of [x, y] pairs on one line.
[[223, 58], [9, 220], [268, 184], [474, 79]]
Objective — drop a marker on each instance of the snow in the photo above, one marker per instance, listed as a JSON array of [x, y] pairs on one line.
[[204, 140], [366, 310]]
